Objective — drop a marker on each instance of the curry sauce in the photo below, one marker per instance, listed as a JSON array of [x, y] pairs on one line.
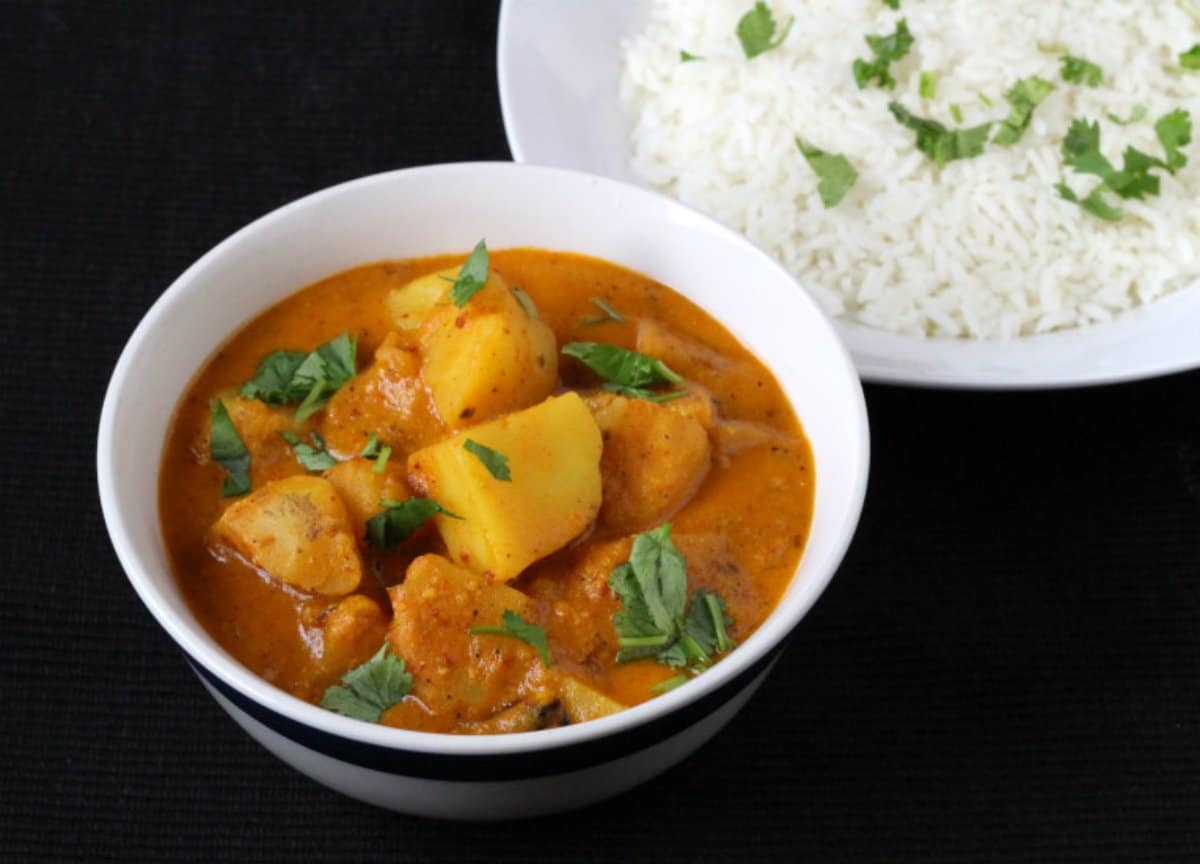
[[722, 459]]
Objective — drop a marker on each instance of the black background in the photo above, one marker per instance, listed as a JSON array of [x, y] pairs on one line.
[[1007, 667]]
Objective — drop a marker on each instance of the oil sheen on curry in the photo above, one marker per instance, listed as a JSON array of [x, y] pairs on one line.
[[494, 495]]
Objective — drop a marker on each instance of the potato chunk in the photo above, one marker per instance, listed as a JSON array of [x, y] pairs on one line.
[[351, 633], [582, 702], [553, 452], [654, 460], [298, 531], [457, 674], [410, 305], [388, 398], [361, 488]]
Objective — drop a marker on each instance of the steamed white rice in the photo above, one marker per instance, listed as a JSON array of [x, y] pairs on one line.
[[983, 248]]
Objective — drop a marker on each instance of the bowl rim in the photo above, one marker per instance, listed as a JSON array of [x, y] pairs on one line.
[[189, 634], [886, 357]]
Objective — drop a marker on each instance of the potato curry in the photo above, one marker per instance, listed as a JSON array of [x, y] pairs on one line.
[[493, 495]]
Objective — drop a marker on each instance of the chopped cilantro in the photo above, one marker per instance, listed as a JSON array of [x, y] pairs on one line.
[[227, 449], [1076, 70], [1136, 115], [371, 451], [956, 112], [495, 462], [1094, 203], [314, 456], [756, 31], [656, 620], [1024, 97], [836, 173], [607, 313], [366, 691], [626, 372], [940, 144], [1174, 131], [400, 520], [472, 277], [1190, 59], [928, 85], [887, 50], [284, 377], [688, 57], [892, 4], [516, 627]]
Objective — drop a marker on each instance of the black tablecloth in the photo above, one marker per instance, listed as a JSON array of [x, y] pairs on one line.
[[1007, 667]]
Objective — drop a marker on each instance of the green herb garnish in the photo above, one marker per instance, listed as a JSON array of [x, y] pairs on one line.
[[1174, 131], [607, 313], [516, 627], [624, 371], [652, 587], [756, 31], [1024, 97], [928, 85], [1136, 115], [836, 173], [400, 520], [1076, 70], [887, 50], [472, 277], [377, 452], [366, 691], [956, 112], [1094, 203], [494, 461], [284, 377], [314, 456], [892, 4], [688, 57], [371, 451], [939, 143], [1190, 59], [227, 449]]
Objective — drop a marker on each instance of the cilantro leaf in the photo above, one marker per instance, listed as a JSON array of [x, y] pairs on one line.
[[688, 57], [1174, 132], [1136, 115], [928, 85], [756, 31], [940, 144], [314, 456], [887, 50], [607, 313], [516, 627], [1081, 149], [1190, 59], [652, 588], [892, 4], [494, 461], [1094, 203], [626, 372], [310, 379], [400, 520], [271, 380], [371, 450], [378, 452], [1076, 70], [472, 277], [836, 173], [227, 449], [1024, 97], [366, 691]]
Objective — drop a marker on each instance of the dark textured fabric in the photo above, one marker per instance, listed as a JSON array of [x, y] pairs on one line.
[[1007, 667]]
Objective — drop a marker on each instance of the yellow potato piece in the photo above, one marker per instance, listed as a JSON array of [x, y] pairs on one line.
[[297, 530], [655, 459], [553, 452], [410, 304], [361, 488], [584, 703], [468, 677], [478, 365], [351, 633]]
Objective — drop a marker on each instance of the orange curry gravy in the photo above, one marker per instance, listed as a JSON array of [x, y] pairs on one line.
[[742, 527]]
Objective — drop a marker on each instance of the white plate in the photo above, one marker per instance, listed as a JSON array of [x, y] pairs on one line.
[[558, 65]]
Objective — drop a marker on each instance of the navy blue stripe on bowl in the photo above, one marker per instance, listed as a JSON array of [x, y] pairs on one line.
[[515, 766]]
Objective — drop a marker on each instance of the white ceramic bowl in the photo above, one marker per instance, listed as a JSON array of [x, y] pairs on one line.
[[558, 66], [447, 208]]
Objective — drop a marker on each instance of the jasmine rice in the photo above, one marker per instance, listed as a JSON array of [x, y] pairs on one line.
[[983, 247]]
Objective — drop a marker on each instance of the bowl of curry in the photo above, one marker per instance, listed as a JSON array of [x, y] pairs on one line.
[[481, 491]]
